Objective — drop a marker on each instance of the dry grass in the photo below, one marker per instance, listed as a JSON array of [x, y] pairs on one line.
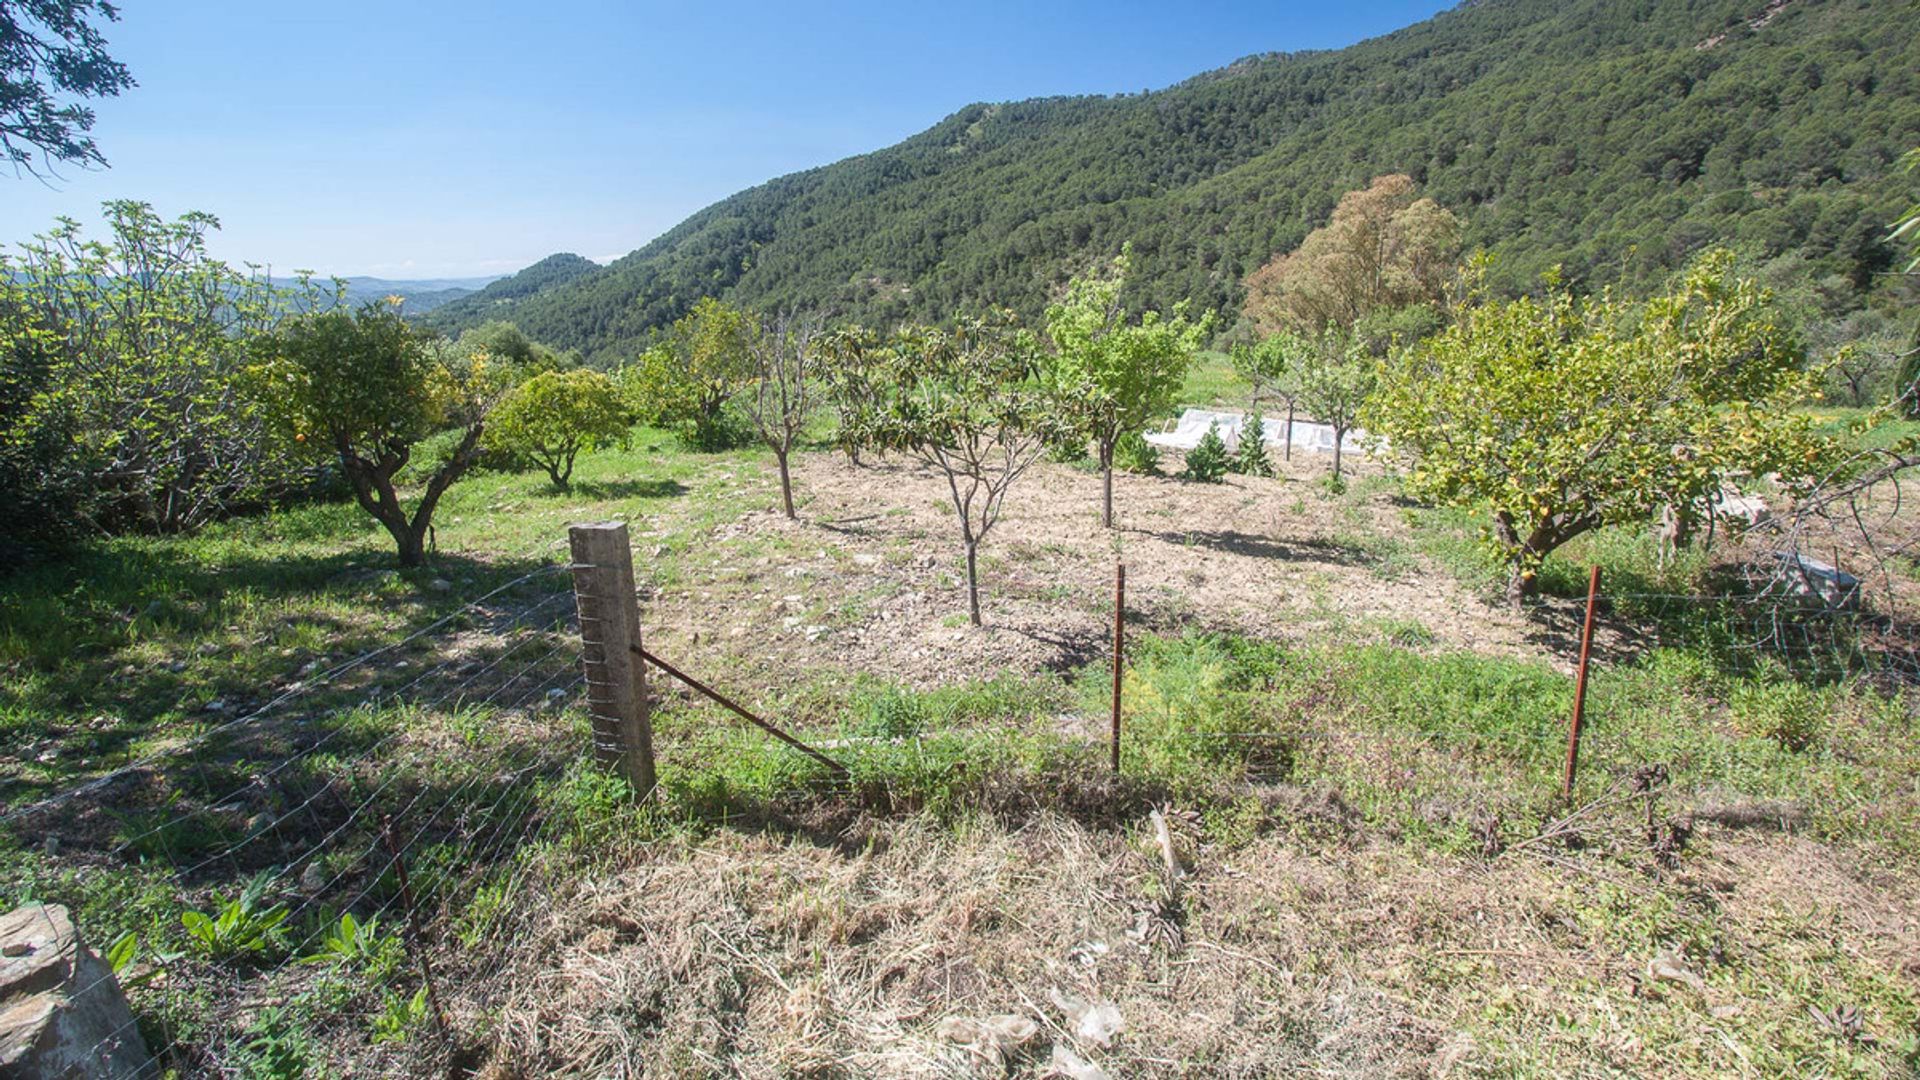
[[768, 954]]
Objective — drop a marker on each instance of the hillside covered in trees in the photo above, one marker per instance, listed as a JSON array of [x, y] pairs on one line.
[[1615, 137], [497, 299]]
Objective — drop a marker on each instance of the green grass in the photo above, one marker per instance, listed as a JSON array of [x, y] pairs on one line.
[[1213, 383], [117, 651]]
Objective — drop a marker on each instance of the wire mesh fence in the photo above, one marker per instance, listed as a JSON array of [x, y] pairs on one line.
[[257, 862], [379, 819]]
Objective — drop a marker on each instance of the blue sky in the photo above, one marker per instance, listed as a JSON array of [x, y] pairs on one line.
[[428, 139]]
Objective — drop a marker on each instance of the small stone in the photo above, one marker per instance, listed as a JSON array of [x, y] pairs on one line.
[[217, 705], [314, 877], [440, 584]]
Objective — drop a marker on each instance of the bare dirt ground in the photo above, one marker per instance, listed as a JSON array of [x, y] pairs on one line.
[[870, 578]]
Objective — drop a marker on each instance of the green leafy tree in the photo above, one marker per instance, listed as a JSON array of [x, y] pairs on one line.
[[1332, 375], [691, 378], [52, 58], [505, 343], [785, 357], [1266, 364], [1252, 460], [1558, 416], [368, 387], [849, 370], [1207, 462], [1113, 373], [966, 401], [125, 356], [552, 417]]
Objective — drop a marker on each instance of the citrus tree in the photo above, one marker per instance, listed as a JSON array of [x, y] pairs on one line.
[[1112, 372], [367, 387], [1557, 416], [966, 401], [552, 417], [688, 379]]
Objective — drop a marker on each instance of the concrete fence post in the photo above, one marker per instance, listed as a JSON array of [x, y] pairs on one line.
[[609, 635]]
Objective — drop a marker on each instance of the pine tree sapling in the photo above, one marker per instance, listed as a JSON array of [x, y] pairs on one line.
[[1207, 462], [1251, 459]]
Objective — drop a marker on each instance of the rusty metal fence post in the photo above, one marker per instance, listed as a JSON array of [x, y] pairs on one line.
[[1119, 649], [609, 635], [1580, 684]]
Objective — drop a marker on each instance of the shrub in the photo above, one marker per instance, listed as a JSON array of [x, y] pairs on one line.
[[1207, 462], [1252, 459], [1785, 712], [553, 416], [1134, 454]]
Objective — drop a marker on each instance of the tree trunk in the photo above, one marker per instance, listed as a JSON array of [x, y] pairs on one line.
[[1289, 450], [1521, 584], [1106, 493], [412, 544], [1336, 453], [973, 583], [559, 478], [786, 483]]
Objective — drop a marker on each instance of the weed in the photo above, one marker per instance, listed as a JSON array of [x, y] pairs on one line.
[[239, 927], [350, 943], [399, 1016], [277, 1047], [1785, 712]]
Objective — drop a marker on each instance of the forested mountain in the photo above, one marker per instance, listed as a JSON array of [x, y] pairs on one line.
[[421, 295], [1612, 136], [496, 301]]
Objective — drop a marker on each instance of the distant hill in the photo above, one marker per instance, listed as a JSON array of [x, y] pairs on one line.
[[496, 301], [1615, 137], [422, 295]]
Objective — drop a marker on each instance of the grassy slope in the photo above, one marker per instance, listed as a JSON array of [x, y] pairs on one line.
[[1424, 757]]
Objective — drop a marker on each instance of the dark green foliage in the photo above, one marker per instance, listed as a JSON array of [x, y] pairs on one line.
[[52, 56], [1252, 459], [1208, 461], [1605, 135], [1134, 454], [497, 300]]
